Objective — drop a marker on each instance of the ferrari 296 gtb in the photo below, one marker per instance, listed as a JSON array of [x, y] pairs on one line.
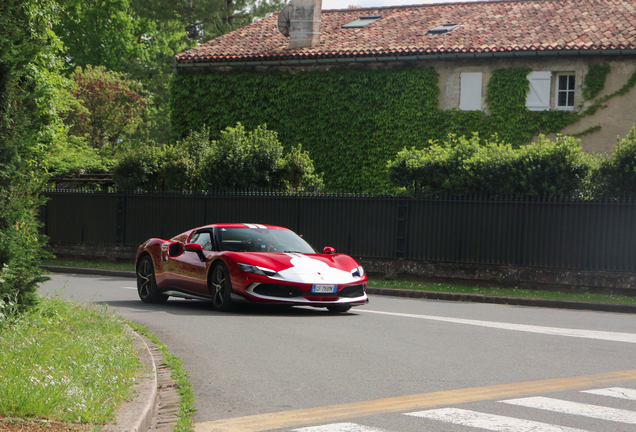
[[224, 263]]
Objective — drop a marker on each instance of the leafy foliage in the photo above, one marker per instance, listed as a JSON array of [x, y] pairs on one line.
[[462, 166], [351, 121], [594, 80], [29, 101], [238, 159], [111, 106], [616, 174]]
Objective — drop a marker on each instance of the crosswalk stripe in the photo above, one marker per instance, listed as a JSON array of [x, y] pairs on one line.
[[615, 392], [576, 408], [340, 427], [489, 421]]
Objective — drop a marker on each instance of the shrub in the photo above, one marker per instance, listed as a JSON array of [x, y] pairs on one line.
[[463, 166], [139, 169], [242, 159], [615, 175], [298, 171]]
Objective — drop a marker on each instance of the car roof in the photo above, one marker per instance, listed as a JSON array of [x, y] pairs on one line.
[[243, 225]]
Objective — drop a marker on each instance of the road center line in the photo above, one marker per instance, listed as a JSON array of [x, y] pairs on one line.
[[304, 417], [554, 331]]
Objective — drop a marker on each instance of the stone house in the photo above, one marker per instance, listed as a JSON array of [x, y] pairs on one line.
[[465, 43]]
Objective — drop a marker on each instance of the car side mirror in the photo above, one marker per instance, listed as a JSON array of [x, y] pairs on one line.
[[175, 249], [197, 248], [328, 250]]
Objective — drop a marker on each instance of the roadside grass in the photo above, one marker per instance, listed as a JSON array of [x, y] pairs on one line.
[[502, 291], [91, 264], [64, 362], [418, 285], [65, 366]]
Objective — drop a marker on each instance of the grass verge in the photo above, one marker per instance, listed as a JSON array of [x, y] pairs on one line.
[[65, 362], [503, 291], [67, 367], [90, 264]]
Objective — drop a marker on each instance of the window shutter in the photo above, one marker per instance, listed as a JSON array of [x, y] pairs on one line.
[[470, 91], [538, 98]]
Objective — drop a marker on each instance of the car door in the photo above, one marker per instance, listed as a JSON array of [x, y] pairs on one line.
[[189, 270]]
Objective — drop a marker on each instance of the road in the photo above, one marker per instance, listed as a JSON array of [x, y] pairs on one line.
[[393, 365]]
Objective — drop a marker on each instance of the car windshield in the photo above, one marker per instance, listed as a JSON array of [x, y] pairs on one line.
[[262, 240]]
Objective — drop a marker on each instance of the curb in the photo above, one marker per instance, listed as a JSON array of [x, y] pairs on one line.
[[138, 414], [433, 295]]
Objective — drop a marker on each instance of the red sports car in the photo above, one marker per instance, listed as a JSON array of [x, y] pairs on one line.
[[261, 263]]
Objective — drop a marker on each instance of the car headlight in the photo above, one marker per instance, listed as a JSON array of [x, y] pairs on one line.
[[357, 272], [256, 270]]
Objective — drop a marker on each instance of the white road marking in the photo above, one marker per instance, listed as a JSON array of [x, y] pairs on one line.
[[576, 408], [130, 288], [554, 331], [340, 427], [615, 392], [489, 421]]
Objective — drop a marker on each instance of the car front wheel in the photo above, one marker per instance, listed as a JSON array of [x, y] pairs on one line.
[[221, 288], [146, 283]]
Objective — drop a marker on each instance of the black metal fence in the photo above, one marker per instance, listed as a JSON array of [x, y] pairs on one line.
[[559, 233]]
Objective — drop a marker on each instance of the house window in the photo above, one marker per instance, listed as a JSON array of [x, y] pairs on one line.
[[565, 91], [470, 91], [540, 96], [362, 21]]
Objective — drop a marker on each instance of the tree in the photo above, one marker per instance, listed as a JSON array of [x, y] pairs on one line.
[[110, 106], [30, 93]]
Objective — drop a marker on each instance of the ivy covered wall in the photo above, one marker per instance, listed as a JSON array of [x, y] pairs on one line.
[[352, 120]]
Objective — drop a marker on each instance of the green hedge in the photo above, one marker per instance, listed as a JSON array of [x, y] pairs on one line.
[[462, 166], [352, 121]]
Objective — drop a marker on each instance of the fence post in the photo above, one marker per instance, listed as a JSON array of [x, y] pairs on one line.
[[402, 228], [120, 236]]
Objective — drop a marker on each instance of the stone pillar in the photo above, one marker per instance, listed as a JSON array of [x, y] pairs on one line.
[[305, 23]]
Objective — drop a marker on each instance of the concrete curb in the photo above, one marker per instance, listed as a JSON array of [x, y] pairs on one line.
[[137, 415], [394, 292]]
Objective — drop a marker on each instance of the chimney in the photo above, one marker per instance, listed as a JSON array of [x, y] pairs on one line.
[[305, 23]]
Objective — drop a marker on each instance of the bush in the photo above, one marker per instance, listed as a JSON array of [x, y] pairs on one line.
[[242, 159], [615, 175], [462, 166], [239, 159]]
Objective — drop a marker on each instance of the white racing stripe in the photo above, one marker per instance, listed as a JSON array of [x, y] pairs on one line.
[[340, 427], [576, 408], [554, 331], [489, 421], [615, 392]]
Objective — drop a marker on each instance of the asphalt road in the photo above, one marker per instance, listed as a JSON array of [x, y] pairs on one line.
[[393, 365]]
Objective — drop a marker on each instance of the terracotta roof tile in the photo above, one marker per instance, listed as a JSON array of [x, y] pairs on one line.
[[487, 26]]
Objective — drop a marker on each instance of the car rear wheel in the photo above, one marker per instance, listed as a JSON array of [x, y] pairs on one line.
[[338, 308], [146, 283], [221, 288]]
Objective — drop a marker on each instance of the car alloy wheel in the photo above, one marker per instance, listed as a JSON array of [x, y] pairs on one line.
[[146, 284], [221, 288]]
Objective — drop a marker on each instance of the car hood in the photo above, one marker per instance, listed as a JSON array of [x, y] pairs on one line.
[[305, 268]]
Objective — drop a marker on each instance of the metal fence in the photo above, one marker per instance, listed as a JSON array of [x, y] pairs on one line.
[[558, 233]]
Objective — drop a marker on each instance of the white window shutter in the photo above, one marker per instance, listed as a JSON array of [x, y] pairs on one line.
[[470, 91], [538, 98]]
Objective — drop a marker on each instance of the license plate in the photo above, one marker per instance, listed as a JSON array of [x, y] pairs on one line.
[[324, 288]]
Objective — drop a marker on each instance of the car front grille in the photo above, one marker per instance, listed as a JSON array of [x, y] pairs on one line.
[[274, 290], [288, 291], [352, 291]]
